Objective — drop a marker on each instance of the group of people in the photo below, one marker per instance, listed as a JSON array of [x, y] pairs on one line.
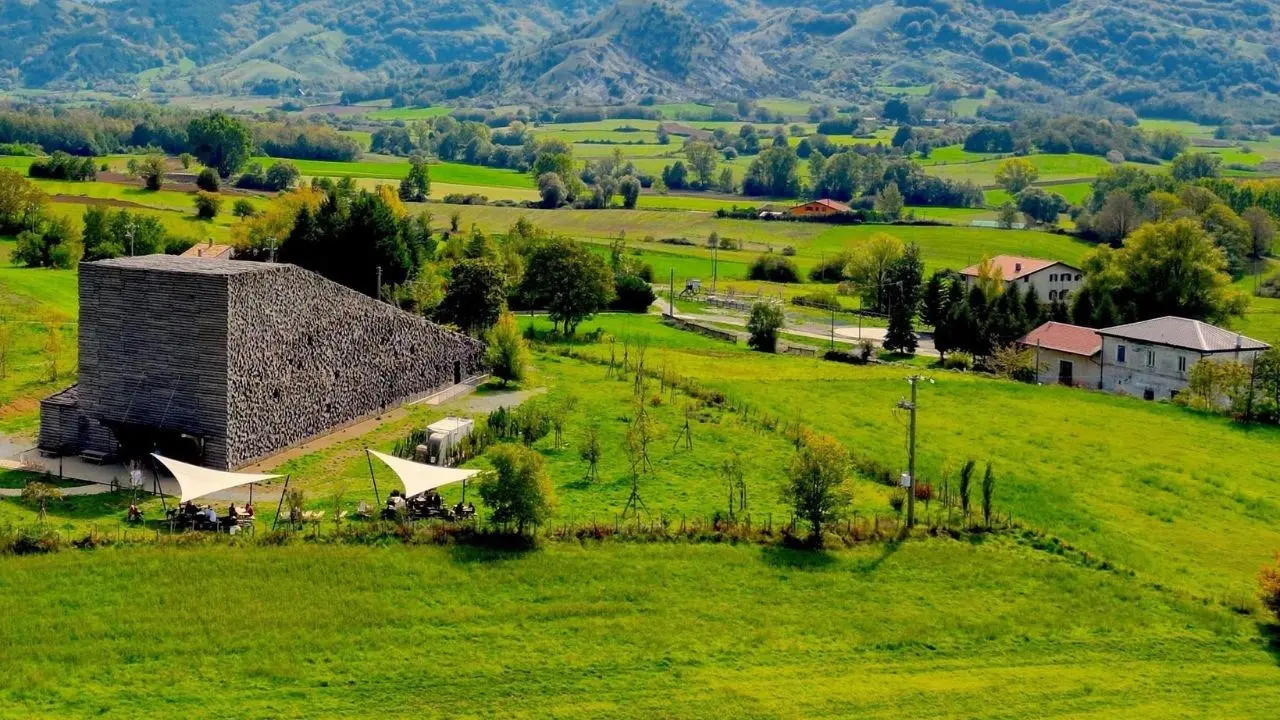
[[207, 516], [425, 505]]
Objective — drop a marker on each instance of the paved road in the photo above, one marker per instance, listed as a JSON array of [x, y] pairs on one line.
[[810, 330]]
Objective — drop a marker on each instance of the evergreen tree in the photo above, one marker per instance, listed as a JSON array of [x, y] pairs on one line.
[[1105, 313], [903, 280], [934, 308], [1082, 308], [1031, 308], [1058, 312]]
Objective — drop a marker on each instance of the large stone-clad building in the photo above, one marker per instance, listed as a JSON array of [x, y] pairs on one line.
[[228, 361]]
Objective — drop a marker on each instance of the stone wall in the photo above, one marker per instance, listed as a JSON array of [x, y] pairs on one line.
[[307, 355]]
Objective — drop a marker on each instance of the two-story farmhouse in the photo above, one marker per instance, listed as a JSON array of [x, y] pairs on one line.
[[1053, 280], [1151, 359]]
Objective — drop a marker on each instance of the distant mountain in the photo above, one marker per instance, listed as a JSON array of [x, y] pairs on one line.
[[1159, 56]]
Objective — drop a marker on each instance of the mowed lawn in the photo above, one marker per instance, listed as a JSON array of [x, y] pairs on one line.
[[34, 306], [928, 628]]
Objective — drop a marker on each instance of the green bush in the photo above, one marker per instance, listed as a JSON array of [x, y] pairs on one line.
[[774, 268], [208, 180], [958, 361]]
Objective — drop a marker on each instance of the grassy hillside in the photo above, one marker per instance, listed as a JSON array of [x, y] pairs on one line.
[[934, 628]]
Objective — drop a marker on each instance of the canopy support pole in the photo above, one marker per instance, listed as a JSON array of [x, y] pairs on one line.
[[280, 505], [376, 498]]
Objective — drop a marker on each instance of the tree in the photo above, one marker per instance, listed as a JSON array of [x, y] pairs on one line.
[[242, 208], [632, 294], [151, 169], [1262, 231], [417, 184], [518, 490], [933, 307], [726, 183], [474, 297], [207, 205], [590, 452], [988, 494], [1016, 174], [889, 201], [773, 172], [552, 190], [1007, 215], [675, 176], [817, 487], [702, 156], [1191, 166], [664, 135], [220, 142], [39, 494], [966, 485], [507, 354], [1118, 217], [869, 265], [629, 186], [763, 326], [281, 175], [1041, 206], [52, 242], [568, 280], [208, 181], [186, 159], [1166, 268], [902, 289]]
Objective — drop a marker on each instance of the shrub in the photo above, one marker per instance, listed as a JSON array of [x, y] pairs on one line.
[[774, 268], [823, 299], [518, 491], [632, 294], [1269, 587], [208, 205], [507, 354], [765, 322], [208, 180], [242, 208], [789, 251], [61, 166], [830, 269], [958, 361]]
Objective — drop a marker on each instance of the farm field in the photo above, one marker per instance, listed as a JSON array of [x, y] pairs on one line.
[[585, 632], [1051, 167]]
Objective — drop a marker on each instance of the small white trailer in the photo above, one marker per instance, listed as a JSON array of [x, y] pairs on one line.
[[444, 438]]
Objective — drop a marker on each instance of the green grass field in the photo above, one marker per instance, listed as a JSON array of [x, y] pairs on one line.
[[620, 631], [398, 168], [34, 305], [408, 113], [1051, 167]]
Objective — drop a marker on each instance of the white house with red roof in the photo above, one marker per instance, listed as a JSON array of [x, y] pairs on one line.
[[1053, 280], [1066, 354]]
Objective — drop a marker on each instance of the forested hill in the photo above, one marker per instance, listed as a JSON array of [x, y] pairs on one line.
[[1167, 57]]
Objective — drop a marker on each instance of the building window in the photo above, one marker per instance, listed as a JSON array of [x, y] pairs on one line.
[[1182, 363], [1151, 358], [1053, 278], [1148, 394], [1053, 295], [1026, 279], [1119, 353], [1077, 277]]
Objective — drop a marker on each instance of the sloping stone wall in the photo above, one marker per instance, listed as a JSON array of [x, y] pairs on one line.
[[307, 355]]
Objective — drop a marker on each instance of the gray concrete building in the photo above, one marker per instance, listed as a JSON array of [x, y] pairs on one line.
[[1151, 359], [225, 362]]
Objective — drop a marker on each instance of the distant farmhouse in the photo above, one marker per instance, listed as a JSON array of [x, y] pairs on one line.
[[1066, 354], [819, 208], [1150, 359], [1053, 280], [225, 362]]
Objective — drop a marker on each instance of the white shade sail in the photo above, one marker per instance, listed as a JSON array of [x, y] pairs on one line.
[[419, 478], [197, 481]]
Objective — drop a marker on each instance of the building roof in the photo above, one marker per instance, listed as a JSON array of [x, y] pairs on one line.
[[209, 251], [1185, 333], [1013, 267], [187, 265], [1066, 338], [828, 203]]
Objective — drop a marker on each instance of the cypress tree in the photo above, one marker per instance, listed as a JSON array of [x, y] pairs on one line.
[[1082, 308]]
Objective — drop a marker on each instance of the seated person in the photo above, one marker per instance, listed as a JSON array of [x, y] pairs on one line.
[[211, 515], [248, 509], [232, 512], [189, 509], [471, 509], [134, 515]]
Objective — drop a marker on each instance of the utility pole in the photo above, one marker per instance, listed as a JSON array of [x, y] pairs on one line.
[[911, 449], [130, 232], [671, 294], [715, 266], [378, 288], [271, 241]]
